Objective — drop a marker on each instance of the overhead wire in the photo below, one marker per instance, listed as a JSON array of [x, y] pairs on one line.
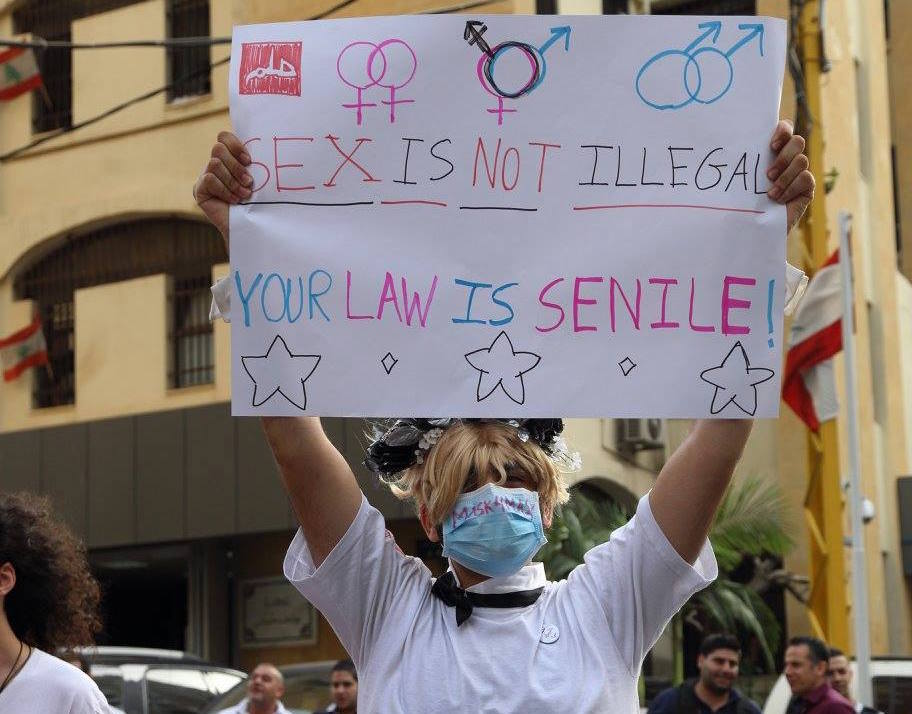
[[173, 42], [42, 44], [113, 110]]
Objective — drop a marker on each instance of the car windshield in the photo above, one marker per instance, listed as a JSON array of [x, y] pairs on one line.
[[111, 683], [184, 690]]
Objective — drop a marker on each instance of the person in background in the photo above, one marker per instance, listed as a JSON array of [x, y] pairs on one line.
[[713, 692], [48, 602], [265, 688], [806, 664], [839, 674], [344, 687]]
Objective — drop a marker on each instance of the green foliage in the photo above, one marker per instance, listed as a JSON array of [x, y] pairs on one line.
[[750, 523], [730, 606], [579, 526]]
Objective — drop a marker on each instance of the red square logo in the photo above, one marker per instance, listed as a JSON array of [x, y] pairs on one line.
[[270, 68]]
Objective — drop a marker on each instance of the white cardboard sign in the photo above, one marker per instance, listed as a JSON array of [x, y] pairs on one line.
[[514, 216]]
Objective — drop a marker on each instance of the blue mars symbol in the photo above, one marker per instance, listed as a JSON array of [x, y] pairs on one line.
[[674, 78]]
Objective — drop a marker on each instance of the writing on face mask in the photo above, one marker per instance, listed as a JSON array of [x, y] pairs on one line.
[[517, 504]]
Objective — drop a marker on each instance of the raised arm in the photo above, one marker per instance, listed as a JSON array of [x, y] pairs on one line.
[[322, 488], [690, 487]]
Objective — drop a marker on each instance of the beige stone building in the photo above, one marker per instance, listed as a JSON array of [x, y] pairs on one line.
[[861, 178], [129, 431], [866, 132]]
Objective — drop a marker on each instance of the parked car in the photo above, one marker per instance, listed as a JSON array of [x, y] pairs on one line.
[[891, 677], [137, 680], [306, 689]]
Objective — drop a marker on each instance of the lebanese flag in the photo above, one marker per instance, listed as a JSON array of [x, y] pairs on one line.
[[23, 349], [19, 72], [809, 384]]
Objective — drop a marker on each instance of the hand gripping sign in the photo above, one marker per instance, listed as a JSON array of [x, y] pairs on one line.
[[508, 217]]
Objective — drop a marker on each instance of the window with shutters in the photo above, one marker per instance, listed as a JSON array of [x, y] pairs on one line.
[[189, 74], [185, 250]]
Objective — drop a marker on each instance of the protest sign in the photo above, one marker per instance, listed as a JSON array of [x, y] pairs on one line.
[[508, 216]]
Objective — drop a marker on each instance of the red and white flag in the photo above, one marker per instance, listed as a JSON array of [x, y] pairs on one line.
[[23, 349], [809, 384], [19, 72]]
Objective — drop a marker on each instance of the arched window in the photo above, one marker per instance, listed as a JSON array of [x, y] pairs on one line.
[[183, 249]]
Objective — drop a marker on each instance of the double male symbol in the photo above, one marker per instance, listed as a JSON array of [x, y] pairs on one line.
[[706, 75]]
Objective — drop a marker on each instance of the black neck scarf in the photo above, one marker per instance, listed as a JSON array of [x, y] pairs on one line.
[[451, 594]]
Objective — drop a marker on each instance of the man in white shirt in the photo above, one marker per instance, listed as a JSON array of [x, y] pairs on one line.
[[493, 635], [265, 688], [48, 602]]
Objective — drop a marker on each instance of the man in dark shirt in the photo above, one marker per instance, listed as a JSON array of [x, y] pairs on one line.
[[713, 691], [344, 687], [806, 664], [839, 674]]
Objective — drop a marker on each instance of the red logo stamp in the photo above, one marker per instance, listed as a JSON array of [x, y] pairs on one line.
[[270, 68]]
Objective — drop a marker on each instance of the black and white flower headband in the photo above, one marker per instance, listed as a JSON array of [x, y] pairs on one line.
[[406, 443]]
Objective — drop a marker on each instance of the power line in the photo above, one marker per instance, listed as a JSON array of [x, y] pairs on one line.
[[113, 110], [331, 10], [181, 41], [456, 8], [42, 44]]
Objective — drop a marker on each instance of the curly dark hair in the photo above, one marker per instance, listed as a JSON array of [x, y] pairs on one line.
[[54, 602]]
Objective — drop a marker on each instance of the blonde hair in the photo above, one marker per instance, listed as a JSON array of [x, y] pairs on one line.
[[479, 449]]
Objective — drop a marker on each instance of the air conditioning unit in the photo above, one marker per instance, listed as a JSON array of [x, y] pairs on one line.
[[635, 435]]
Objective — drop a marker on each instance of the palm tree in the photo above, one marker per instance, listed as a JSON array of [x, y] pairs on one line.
[[751, 524]]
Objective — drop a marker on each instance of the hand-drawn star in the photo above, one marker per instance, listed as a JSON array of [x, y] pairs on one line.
[[735, 381], [502, 366], [280, 371]]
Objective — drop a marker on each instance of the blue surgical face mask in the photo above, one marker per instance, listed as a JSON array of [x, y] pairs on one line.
[[494, 530]]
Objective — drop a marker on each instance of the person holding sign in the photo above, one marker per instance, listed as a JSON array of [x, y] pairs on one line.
[[493, 634]]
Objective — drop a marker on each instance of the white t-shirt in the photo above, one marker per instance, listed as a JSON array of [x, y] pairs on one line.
[[47, 685], [578, 649]]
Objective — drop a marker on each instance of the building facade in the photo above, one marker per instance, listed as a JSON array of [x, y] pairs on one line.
[[129, 429], [858, 177]]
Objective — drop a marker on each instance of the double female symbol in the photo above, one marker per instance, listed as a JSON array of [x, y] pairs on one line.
[[362, 65]]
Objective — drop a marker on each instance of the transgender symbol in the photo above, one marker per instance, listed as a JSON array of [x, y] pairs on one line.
[[673, 78], [529, 78], [390, 65]]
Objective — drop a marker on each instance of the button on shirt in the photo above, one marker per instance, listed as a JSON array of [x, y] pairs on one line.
[[823, 700], [411, 657]]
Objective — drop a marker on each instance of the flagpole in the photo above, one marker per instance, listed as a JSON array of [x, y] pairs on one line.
[[859, 576]]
